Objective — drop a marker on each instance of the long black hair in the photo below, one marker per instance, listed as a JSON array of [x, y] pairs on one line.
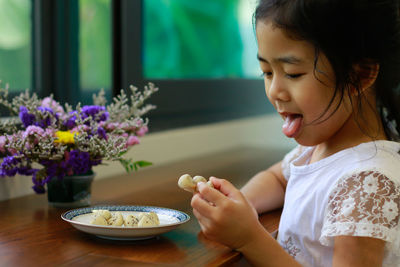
[[348, 32]]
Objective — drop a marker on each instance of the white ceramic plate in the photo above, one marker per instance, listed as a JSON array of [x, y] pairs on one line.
[[169, 220]]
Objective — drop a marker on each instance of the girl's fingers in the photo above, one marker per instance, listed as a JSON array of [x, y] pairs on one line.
[[225, 187], [203, 221], [211, 195], [201, 205]]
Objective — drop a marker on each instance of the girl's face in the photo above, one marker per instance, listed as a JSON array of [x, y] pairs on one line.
[[299, 92]]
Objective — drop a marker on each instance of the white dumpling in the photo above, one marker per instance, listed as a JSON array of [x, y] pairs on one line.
[[116, 219], [154, 217], [186, 183], [131, 220], [105, 213], [99, 220], [197, 179], [146, 221]]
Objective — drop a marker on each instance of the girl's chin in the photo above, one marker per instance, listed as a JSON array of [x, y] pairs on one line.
[[304, 139]]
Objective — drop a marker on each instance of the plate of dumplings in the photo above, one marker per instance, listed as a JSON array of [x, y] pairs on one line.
[[125, 222]]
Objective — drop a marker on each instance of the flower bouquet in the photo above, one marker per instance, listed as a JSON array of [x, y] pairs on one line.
[[48, 141]]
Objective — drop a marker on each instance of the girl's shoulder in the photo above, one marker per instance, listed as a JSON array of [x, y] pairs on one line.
[[365, 200], [370, 168], [381, 157]]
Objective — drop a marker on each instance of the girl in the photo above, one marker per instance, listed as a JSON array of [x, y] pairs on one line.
[[332, 71]]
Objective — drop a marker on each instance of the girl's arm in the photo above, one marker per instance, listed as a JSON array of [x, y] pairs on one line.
[[226, 216], [266, 190], [357, 251], [263, 250], [349, 251]]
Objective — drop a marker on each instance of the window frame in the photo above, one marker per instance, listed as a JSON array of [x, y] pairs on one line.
[[180, 102], [55, 49]]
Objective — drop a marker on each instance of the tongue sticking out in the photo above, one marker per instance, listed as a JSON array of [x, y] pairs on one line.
[[292, 125]]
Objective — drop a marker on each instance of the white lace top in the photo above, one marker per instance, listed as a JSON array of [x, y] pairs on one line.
[[355, 192]]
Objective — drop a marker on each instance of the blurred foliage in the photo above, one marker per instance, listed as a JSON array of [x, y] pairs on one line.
[[182, 39], [95, 44], [15, 43], [192, 39]]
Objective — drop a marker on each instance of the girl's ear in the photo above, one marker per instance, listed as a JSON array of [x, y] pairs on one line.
[[367, 72]]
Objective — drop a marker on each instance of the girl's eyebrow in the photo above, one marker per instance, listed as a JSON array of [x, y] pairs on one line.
[[285, 59]]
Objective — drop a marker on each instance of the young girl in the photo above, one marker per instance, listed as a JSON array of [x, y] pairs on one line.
[[332, 71]]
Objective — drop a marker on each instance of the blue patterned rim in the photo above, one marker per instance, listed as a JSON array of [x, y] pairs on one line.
[[181, 216]]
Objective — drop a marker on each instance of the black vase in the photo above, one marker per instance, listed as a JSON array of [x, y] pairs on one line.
[[71, 191]]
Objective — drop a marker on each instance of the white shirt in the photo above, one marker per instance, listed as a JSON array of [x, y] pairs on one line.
[[355, 192]]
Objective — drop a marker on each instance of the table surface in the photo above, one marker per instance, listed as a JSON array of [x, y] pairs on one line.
[[33, 233]]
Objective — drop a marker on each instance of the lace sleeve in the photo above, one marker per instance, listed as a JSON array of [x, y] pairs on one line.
[[363, 204], [289, 157]]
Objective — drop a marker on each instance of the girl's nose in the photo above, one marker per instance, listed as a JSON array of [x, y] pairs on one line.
[[276, 91]]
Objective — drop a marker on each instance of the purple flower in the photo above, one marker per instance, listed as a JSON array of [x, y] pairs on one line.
[[102, 133], [98, 113], [30, 119], [79, 161], [45, 110], [38, 184], [71, 121], [54, 169], [9, 166], [26, 118], [39, 189], [47, 120], [27, 170], [51, 103], [94, 162]]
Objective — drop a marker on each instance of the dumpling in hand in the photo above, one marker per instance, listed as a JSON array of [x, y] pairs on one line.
[[186, 183], [197, 179]]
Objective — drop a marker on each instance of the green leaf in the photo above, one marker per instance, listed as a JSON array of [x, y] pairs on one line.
[[131, 165], [143, 163]]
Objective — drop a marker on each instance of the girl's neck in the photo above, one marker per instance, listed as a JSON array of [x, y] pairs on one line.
[[358, 129]]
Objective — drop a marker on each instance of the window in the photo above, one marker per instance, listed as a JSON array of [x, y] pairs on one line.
[[15, 44], [204, 76], [95, 44], [72, 49], [201, 54], [198, 39]]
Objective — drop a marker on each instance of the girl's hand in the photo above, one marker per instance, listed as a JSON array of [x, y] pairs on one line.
[[224, 214]]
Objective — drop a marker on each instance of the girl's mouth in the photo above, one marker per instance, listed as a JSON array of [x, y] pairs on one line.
[[292, 125]]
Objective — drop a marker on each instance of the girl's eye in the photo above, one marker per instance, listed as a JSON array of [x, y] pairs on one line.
[[294, 76], [267, 74]]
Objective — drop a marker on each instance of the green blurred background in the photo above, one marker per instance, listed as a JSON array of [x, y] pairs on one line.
[[183, 39]]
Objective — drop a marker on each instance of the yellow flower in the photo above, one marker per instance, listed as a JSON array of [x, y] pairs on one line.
[[65, 137]]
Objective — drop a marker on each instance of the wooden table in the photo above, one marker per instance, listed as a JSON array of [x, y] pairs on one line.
[[33, 234]]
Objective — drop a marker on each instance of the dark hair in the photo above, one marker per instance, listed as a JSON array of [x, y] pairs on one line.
[[348, 32]]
